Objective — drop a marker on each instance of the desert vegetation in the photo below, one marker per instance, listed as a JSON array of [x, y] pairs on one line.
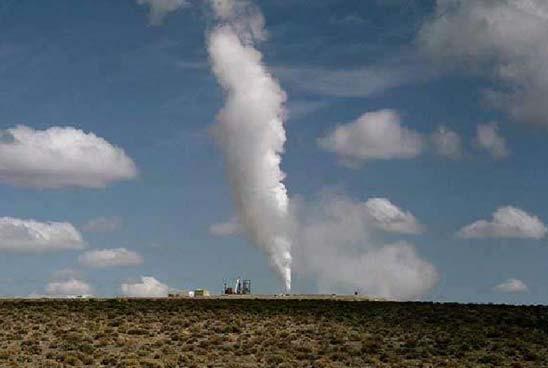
[[269, 333]]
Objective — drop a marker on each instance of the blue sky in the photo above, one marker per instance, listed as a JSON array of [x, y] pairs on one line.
[[103, 68]]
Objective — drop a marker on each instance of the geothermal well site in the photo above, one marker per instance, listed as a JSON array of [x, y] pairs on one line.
[[241, 289]]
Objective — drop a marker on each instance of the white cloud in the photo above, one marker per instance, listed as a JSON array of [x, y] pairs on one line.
[[511, 286], [102, 225], [334, 247], [149, 287], [18, 235], [447, 143], [359, 82], [227, 228], [506, 40], [159, 9], [507, 222], [388, 217], [374, 135], [110, 258], [60, 157], [489, 139], [393, 271], [70, 287]]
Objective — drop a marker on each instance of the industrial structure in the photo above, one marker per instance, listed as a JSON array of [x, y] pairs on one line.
[[200, 292], [241, 287]]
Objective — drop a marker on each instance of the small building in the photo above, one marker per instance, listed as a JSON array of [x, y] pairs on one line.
[[201, 292], [177, 294]]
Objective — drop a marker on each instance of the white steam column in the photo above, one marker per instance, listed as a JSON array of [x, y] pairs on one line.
[[250, 130]]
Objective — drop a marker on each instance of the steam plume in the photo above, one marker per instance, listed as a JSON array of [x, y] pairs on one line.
[[339, 246], [250, 130]]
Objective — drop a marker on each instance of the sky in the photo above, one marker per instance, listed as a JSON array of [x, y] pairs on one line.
[[394, 148]]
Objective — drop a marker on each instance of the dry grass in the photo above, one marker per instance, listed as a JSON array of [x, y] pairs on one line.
[[269, 333]]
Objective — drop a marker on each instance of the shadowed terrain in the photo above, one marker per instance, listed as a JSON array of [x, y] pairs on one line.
[[213, 332]]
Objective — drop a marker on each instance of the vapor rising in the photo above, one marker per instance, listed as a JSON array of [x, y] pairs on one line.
[[335, 238], [250, 130], [340, 247], [333, 234]]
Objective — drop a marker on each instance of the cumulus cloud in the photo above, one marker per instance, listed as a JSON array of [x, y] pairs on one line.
[[507, 222], [60, 157], [159, 9], [149, 287], [17, 235], [227, 228], [512, 286], [374, 135], [447, 143], [388, 217], [335, 248], [67, 283], [68, 288], [110, 258], [505, 40], [102, 225], [489, 139], [393, 271]]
